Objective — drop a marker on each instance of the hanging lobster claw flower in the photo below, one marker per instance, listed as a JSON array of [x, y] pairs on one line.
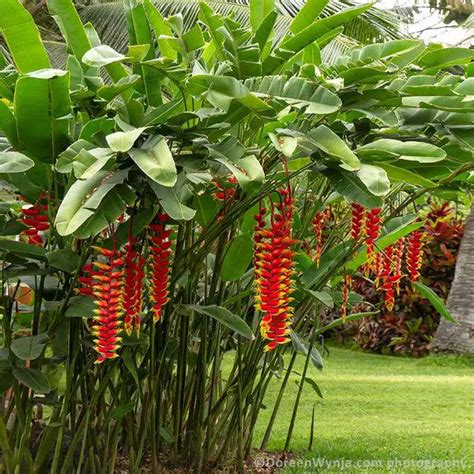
[[346, 289], [273, 260], [35, 218], [319, 222], [357, 221], [107, 289], [133, 285], [398, 262], [372, 230], [414, 254], [160, 253]]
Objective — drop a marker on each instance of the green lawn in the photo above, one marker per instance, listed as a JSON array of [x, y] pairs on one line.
[[382, 408]]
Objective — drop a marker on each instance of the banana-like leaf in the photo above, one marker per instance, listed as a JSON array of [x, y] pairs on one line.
[[156, 161], [42, 97], [296, 91], [375, 179], [14, 162], [395, 149], [351, 187], [326, 140], [22, 37]]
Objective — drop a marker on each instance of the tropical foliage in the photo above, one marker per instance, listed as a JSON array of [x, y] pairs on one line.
[[130, 265]]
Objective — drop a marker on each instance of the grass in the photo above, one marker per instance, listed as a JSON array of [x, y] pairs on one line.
[[382, 409]]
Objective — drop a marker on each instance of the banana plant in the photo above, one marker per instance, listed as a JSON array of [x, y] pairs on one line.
[[132, 177]]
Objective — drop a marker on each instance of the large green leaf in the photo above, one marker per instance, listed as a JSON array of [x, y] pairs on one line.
[[32, 378], [156, 161], [123, 141], [73, 212], [22, 249], [14, 162], [435, 300], [225, 317], [22, 37], [237, 257], [171, 202], [296, 43], [307, 15], [351, 187], [259, 9], [71, 26], [394, 149], [405, 176], [296, 91], [220, 91], [63, 259], [102, 55], [444, 57], [29, 347], [325, 139], [375, 179], [8, 124], [81, 307], [42, 97]]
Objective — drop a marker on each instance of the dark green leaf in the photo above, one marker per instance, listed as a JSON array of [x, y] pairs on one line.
[[225, 317]]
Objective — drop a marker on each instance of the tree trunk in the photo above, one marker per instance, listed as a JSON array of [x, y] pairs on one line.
[[459, 338]]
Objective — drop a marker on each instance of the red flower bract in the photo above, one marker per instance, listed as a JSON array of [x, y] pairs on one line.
[[346, 289], [133, 289], [414, 254], [108, 293], [372, 229], [160, 253], [35, 217], [274, 271], [319, 221], [357, 221]]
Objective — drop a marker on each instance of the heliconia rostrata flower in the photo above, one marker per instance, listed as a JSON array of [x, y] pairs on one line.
[[133, 285], [414, 254], [274, 271], [160, 252], [346, 289], [357, 221], [226, 190], [35, 218], [398, 261], [372, 230], [388, 276], [107, 289], [319, 221]]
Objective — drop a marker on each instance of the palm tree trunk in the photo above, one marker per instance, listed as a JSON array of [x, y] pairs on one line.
[[459, 338]]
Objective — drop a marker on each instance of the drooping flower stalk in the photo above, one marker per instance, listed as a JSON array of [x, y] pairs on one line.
[[398, 262], [357, 221], [160, 254], [385, 276], [414, 254], [274, 272], [372, 230], [346, 289], [319, 221], [108, 293], [258, 251], [133, 285], [35, 217]]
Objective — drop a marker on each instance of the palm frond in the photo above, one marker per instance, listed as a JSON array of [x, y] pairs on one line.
[[374, 25]]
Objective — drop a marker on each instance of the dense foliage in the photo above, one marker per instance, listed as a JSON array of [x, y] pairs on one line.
[[130, 265]]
